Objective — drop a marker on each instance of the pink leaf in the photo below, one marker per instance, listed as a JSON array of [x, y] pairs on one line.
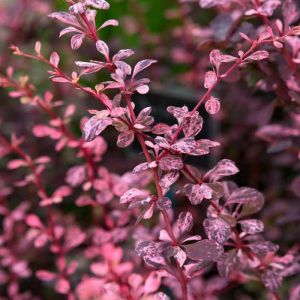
[[152, 283], [290, 11], [147, 214], [62, 286], [42, 131], [228, 58], [245, 36], [268, 7], [103, 48], [34, 221], [212, 3], [217, 230], [215, 58], [16, 163], [37, 47], [278, 44], [133, 194], [122, 54], [164, 203], [98, 269], [60, 79], [212, 105], [143, 89], [258, 55], [146, 248], [162, 142], [170, 162], [141, 167], [295, 292], [295, 186], [77, 9], [72, 267], [109, 23], [54, 59], [168, 179], [251, 199], [274, 131], [262, 248], [227, 264], [144, 117], [84, 200], [252, 226], [204, 250], [70, 110], [98, 4], [161, 128], [184, 145], [178, 112], [192, 125], [272, 279], [125, 139], [142, 65], [74, 238], [76, 175], [77, 40], [65, 18], [41, 241], [210, 79], [196, 192], [94, 126], [185, 222], [62, 191], [224, 167], [45, 275], [180, 256], [42, 160], [123, 69], [203, 147]]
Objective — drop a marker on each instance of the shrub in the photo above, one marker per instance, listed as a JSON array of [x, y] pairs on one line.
[[80, 228]]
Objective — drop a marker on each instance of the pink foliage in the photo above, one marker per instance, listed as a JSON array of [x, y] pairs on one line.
[[136, 243]]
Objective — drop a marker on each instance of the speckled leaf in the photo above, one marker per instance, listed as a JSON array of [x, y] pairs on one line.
[[141, 65], [204, 250], [184, 145], [125, 139], [77, 40], [224, 167], [196, 192], [146, 248], [102, 48], [217, 229], [210, 79], [164, 203], [252, 226], [263, 248], [65, 18], [133, 194], [185, 222], [258, 55], [98, 4], [251, 199], [170, 162], [168, 179], [212, 105], [94, 126], [192, 125], [271, 279], [180, 256], [228, 263]]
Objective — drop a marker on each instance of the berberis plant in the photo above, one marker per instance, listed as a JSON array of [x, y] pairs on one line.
[[141, 240]]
